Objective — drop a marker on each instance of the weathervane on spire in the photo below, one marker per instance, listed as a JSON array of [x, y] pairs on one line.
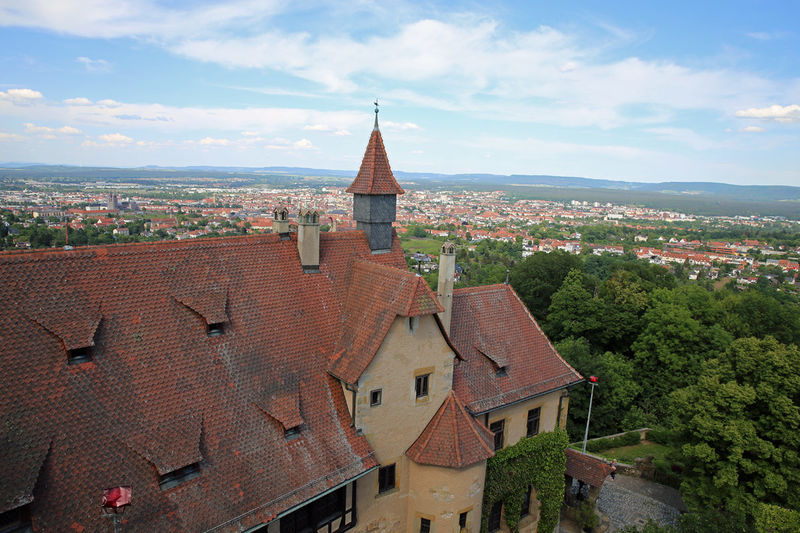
[[376, 113]]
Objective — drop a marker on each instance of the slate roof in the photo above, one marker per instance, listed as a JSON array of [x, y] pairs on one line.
[[375, 175], [453, 438], [159, 394], [586, 468], [491, 328], [377, 295]]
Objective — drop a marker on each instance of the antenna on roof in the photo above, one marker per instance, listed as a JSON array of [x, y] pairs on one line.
[[376, 113]]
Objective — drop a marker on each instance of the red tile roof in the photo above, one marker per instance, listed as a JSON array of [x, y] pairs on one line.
[[586, 468], [453, 438], [491, 328], [378, 294], [375, 175], [159, 394]]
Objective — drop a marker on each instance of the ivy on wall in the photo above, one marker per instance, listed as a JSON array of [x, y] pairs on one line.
[[537, 461]]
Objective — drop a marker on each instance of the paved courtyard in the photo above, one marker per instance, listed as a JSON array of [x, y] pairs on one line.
[[632, 501]]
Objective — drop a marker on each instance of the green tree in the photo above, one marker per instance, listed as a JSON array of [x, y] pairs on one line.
[[740, 425], [539, 276], [677, 338], [573, 311]]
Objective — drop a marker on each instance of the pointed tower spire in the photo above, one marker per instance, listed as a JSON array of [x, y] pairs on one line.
[[375, 193]]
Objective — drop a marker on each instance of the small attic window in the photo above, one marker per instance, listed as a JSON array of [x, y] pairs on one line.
[[77, 356], [216, 329], [18, 519], [176, 477], [502, 371], [413, 324], [292, 433]]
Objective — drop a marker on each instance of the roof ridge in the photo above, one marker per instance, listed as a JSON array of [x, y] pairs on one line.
[[456, 447], [130, 247], [472, 426]]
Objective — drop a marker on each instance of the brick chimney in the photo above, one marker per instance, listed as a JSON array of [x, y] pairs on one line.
[[280, 222], [308, 239], [447, 274]]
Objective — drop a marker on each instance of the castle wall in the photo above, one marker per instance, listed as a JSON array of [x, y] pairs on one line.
[[516, 416], [442, 494], [414, 346]]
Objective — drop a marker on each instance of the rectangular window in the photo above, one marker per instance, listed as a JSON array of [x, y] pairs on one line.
[[334, 512], [176, 477], [462, 520], [79, 355], [215, 329], [526, 504], [375, 397], [424, 525], [494, 516], [498, 428], [16, 520], [533, 421], [385, 478], [421, 385]]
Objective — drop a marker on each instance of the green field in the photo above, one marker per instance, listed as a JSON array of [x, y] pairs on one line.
[[428, 245]]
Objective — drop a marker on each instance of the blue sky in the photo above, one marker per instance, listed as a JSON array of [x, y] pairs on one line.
[[644, 91]]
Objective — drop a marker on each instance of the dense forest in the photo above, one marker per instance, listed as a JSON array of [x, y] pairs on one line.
[[717, 370], [714, 368]]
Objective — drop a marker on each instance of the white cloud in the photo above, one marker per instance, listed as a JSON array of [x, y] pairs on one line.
[[752, 129], [768, 35], [115, 138], [10, 136], [77, 101], [21, 96], [108, 103], [210, 141], [778, 113], [473, 63], [50, 133], [94, 65], [389, 125], [684, 136], [122, 18], [317, 127], [250, 133], [341, 133], [286, 144]]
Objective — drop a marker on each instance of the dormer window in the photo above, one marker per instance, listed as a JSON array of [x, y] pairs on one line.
[[18, 519], [502, 371], [181, 475], [77, 356], [215, 329], [292, 433]]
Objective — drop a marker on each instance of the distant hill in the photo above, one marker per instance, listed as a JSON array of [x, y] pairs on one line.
[[694, 197]]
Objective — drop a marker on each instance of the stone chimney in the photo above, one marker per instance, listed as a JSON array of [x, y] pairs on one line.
[[308, 239], [447, 274], [280, 222]]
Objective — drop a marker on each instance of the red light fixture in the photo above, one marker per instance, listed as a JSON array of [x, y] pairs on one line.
[[116, 498], [593, 379]]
